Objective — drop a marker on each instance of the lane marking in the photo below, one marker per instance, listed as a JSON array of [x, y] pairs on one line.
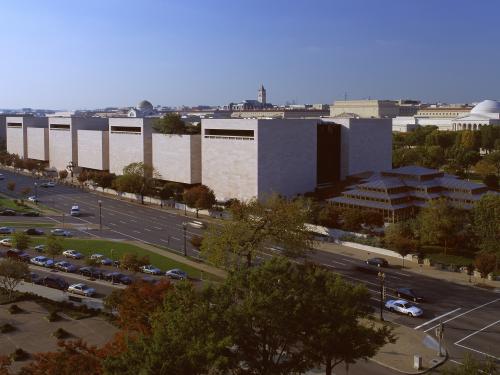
[[123, 222], [157, 228], [474, 333], [478, 351], [166, 241], [133, 221], [136, 231], [350, 260], [400, 273], [175, 238], [147, 230], [334, 261], [468, 311], [437, 317], [113, 224]]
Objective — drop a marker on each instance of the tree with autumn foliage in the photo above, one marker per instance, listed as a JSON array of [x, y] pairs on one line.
[[136, 304], [199, 197], [74, 357]]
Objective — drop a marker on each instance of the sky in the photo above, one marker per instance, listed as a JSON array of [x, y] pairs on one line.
[[96, 53]]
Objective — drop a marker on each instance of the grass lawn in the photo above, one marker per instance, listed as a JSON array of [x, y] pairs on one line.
[[16, 205], [456, 260], [26, 224], [104, 247]]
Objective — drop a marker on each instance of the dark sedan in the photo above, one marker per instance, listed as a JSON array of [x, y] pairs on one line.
[[91, 272], [409, 294], [117, 277], [34, 232], [18, 255], [379, 262]]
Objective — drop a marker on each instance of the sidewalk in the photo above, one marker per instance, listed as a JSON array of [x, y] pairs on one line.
[[455, 277]]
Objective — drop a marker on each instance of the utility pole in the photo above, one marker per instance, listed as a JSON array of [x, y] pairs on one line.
[[381, 277], [100, 214], [440, 336], [184, 227]]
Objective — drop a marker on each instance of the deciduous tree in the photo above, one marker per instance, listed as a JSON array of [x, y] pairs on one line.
[[54, 246], [172, 123], [485, 263], [486, 221], [12, 272], [199, 197], [137, 178], [21, 240], [133, 262]]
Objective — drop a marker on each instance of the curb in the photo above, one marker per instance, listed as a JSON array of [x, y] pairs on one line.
[[445, 358]]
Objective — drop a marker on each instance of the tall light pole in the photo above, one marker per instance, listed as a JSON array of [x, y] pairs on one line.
[[100, 214], [36, 192], [71, 166], [381, 277], [184, 227]]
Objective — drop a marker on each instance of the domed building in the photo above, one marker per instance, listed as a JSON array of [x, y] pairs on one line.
[[143, 109], [484, 113]]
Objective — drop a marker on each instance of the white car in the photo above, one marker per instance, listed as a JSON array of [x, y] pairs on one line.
[[152, 270], [72, 254], [96, 256], [6, 230], [33, 199], [81, 289], [403, 307], [197, 224], [6, 242], [61, 232]]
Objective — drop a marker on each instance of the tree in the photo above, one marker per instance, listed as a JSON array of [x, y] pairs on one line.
[[485, 263], [63, 174], [12, 272], [187, 337], [398, 237], [439, 223], [489, 134], [199, 197], [26, 191], [136, 304], [485, 167], [5, 363], [137, 178], [74, 357], [494, 159], [329, 216], [104, 179], [486, 222], [83, 176], [21, 240], [54, 246], [11, 185], [132, 262], [173, 124], [372, 219], [491, 181], [352, 219], [338, 328], [471, 366], [256, 225]]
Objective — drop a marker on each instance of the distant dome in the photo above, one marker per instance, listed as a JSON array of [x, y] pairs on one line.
[[486, 106], [144, 105]]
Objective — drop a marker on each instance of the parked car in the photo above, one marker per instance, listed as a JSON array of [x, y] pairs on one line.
[[176, 274], [6, 230], [31, 214], [66, 266], [81, 289], [40, 248], [96, 256], [403, 307], [48, 184], [33, 199], [40, 260], [379, 262], [73, 254], [33, 277], [149, 279], [409, 293], [8, 213], [152, 270], [91, 272], [6, 242], [54, 282], [61, 232], [106, 262], [18, 255], [34, 232], [117, 277]]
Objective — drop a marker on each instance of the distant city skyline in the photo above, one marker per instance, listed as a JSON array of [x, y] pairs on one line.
[[96, 54]]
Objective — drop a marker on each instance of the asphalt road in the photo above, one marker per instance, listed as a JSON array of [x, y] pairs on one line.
[[470, 315]]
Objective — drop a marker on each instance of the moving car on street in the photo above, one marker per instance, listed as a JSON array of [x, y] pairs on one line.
[[48, 184], [403, 307], [176, 274], [379, 262], [73, 254], [409, 293], [33, 199], [8, 213], [150, 269], [31, 214], [75, 210], [81, 289]]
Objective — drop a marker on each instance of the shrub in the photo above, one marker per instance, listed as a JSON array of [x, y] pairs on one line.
[[14, 309], [60, 334], [196, 241], [19, 355], [6, 328], [53, 316]]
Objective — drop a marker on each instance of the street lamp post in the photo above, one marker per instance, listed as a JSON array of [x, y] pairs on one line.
[[100, 214], [381, 277], [36, 193], [71, 167], [184, 227]]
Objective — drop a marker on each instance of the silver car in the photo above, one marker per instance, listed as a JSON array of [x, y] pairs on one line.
[[81, 289], [403, 307]]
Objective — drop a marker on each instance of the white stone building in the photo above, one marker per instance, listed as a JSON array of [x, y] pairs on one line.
[[130, 141], [247, 158], [484, 113], [177, 157], [63, 138], [93, 149], [17, 135]]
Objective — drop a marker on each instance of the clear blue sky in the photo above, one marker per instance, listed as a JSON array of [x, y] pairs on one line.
[[95, 53]]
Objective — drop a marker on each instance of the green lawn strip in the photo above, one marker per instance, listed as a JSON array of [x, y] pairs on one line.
[[26, 224], [104, 247], [450, 259]]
